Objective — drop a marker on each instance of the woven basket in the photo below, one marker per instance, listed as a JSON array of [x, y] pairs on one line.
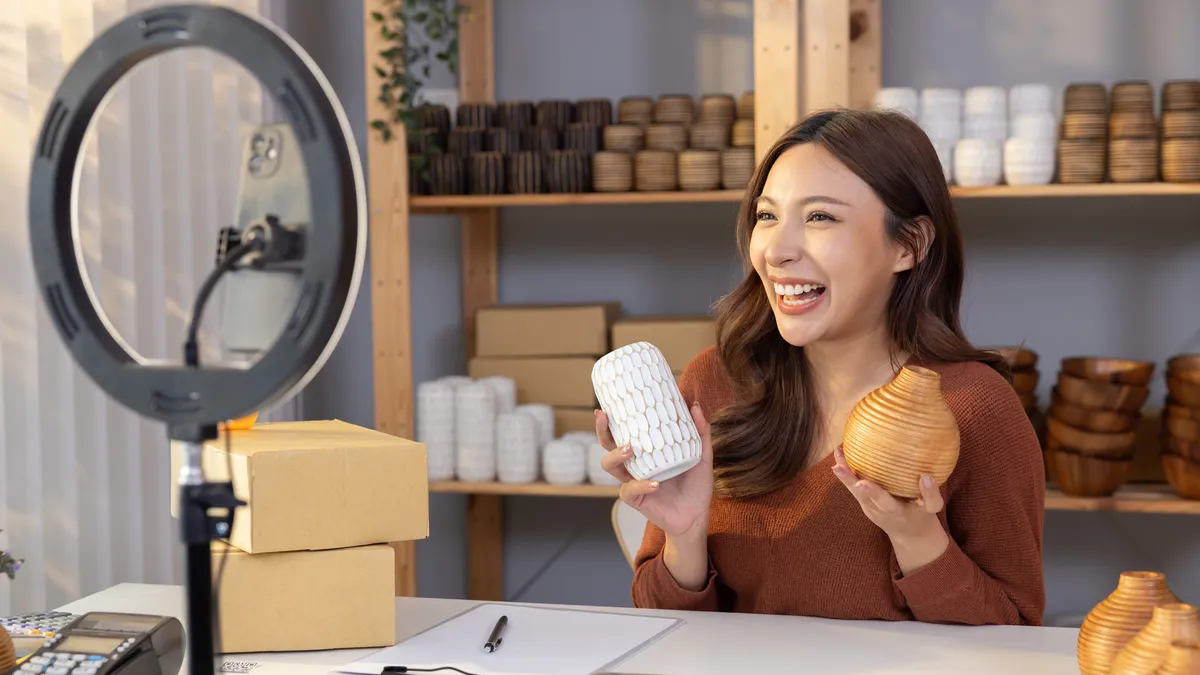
[[482, 115], [584, 136], [1181, 95], [1085, 97], [1081, 160], [674, 109], [711, 135], [465, 141], [737, 167], [555, 113], [637, 110], [1133, 160], [525, 173], [1181, 160], [672, 137], [745, 107], [446, 175], [743, 134], [569, 171], [624, 138], [487, 173], [718, 108], [655, 171], [504, 140], [612, 171], [543, 139], [514, 114], [596, 111], [699, 170]]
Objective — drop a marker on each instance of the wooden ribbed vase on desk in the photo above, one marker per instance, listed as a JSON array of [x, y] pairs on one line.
[[902, 430], [1113, 623], [1147, 651], [8, 654], [1183, 658]]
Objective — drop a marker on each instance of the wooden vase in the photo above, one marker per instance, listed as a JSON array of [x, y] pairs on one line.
[[8, 654], [1183, 658], [1118, 618], [902, 430], [1145, 653]]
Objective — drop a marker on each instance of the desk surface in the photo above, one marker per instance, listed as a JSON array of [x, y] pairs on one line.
[[716, 644]]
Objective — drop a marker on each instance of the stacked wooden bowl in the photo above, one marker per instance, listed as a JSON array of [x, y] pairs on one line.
[[1095, 407], [1082, 143], [1180, 453], [1181, 131], [1132, 134]]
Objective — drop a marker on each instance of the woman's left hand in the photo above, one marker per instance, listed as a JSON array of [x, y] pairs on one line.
[[912, 525]]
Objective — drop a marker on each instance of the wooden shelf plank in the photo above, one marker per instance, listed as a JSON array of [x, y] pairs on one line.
[[452, 203], [1133, 498]]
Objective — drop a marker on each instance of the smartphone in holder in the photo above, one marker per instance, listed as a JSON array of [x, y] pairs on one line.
[[257, 303]]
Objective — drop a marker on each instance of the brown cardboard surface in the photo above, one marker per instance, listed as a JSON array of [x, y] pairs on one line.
[[306, 600], [544, 330], [557, 381], [567, 420], [679, 338], [319, 485]]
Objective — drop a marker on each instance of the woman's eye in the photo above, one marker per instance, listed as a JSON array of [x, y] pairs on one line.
[[819, 216], [762, 215]]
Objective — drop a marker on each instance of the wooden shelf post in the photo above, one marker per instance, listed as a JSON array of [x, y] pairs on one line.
[[391, 302]]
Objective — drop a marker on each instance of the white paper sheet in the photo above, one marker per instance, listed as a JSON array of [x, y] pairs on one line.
[[537, 641]]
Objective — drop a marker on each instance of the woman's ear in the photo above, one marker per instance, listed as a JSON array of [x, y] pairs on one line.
[[917, 239]]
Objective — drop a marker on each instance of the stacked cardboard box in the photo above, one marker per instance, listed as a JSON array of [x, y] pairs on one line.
[[548, 351], [308, 564], [679, 338]]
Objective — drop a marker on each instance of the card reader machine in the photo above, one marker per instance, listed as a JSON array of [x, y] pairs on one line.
[[103, 643]]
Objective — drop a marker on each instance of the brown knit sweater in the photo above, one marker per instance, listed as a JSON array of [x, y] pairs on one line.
[[807, 549]]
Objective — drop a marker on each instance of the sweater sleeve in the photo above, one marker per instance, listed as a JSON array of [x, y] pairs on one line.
[[991, 572], [653, 585]]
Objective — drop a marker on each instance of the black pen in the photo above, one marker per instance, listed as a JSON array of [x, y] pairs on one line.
[[494, 640]]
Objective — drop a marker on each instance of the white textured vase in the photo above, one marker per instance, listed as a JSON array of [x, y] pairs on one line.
[[564, 462], [645, 410], [1024, 99], [977, 162], [506, 392], [1028, 161], [985, 102], [518, 450], [435, 427], [456, 380], [544, 414], [475, 432], [596, 473], [1041, 126], [904, 100]]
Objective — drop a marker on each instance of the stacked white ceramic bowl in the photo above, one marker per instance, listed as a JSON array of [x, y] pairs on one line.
[[979, 153], [475, 411], [1029, 152], [518, 451], [544, 414], [564, 461], [435, 427], [596, 473], [941, 118], [904, 100], [506, 392]]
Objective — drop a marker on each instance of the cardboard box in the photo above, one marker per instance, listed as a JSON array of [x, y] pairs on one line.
[[306, 600], [567, 420], [557, 381], [544, 330], [679, 338], [318, 485]]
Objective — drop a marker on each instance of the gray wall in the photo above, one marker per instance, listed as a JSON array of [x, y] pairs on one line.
[[1108, 276]]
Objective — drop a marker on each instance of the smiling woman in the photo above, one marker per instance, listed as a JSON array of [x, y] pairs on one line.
[[854, 268]]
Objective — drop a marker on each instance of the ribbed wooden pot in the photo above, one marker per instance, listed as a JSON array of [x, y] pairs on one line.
[[612, 171], [1181, 95], [1147, 651], [1085, 97], [743, 134], [1183, 658], [481, 115], [637, 110], [902, 430], [8, 654], [670, 137], [745, 108], [436, 116], [525, 173], [699, 170], [514, 114], [711, 135], [569, 171], [595, 111], [555, 113], [1132, 96], [584, 136], [542, 139], [656, 171], [737, 167], [718, 108], [446, 175], [1133, 160], [487, 173], [1118, 618], [503, 140], [624, 138], [674, 109], [466, 141]]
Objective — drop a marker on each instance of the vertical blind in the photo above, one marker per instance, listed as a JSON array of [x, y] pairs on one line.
[[84, 483]]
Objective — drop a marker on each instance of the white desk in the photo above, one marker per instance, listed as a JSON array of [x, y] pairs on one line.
[[716, 644]]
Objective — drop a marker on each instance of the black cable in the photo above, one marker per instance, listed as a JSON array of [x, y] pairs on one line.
[[191, 350], [387, 670]]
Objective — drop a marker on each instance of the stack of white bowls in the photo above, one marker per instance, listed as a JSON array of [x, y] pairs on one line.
[[1029, 152], [941, 118], [978, 156], [903, 100]]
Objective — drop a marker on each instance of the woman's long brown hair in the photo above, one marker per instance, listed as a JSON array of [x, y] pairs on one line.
[[765, 439]]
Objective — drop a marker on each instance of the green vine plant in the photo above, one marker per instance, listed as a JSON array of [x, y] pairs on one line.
[[420, 33]]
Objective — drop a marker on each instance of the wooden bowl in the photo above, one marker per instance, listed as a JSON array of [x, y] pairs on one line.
[[1182, 474], [1187, 375], [1182, 362], [1174, 446], [1091, 419], [1103, 395], [1117, 371], [1081, 475], [1182, 428], [1025, 380], [1090, 442], [1016, 357], [1183, 391]]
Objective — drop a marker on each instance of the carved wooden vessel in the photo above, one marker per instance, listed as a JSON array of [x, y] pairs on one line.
[[8, 655], [1147, 651], [1118, 618]]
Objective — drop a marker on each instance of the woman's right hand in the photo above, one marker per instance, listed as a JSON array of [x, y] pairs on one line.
[[679, 506]]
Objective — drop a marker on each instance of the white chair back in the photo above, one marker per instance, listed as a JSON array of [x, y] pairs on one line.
[[630, 527]]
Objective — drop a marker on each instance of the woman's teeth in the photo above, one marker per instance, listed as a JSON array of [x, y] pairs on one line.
[[797, 289]]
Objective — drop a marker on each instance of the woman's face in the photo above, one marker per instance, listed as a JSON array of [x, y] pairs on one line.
[[820, 247]]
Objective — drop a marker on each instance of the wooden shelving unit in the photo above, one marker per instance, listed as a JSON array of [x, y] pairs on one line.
[[799, 66]]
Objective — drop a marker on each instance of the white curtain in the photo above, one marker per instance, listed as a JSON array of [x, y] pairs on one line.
[[84, 483]]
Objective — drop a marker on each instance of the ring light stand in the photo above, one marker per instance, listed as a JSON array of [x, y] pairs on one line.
[[192, 401]]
